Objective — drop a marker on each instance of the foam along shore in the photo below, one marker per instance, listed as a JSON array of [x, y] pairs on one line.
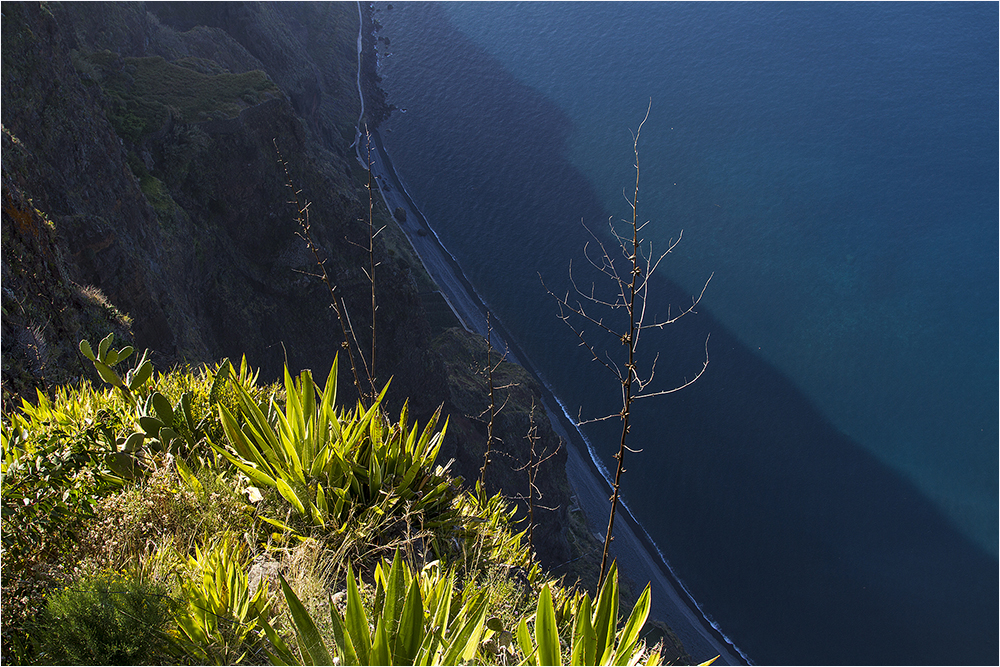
[[637, 556]]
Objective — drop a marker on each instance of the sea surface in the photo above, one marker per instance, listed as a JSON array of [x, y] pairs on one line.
[[828, 490]]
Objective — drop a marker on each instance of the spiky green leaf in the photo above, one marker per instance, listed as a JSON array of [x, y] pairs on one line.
[[310, 640], [546, 632], [356, 622]]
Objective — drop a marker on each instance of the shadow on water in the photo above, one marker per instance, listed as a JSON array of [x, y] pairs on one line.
[[801, 544]]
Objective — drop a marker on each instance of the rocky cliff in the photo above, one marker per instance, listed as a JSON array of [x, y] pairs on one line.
[[143, 193]]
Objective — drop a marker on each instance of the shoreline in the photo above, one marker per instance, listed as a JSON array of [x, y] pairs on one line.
[[637, 554]]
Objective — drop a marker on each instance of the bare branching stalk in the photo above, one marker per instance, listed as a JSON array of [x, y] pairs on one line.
[[631, 289], [492, 409], [372, 233], [531, 468], [304, 233]]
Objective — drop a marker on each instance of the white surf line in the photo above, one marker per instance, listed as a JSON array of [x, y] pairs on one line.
[[595, 459], [361, 95]]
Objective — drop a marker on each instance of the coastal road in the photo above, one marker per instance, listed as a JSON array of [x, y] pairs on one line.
[[634, 558], [443, 268], [633, 553]]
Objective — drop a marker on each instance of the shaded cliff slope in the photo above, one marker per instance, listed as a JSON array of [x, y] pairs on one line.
[[142, 193]]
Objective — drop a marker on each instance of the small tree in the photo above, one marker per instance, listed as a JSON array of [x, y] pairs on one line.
[[629, 296]]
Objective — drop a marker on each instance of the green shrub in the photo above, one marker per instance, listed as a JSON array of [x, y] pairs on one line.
[[54, 469], [163, 511], [106, 619]]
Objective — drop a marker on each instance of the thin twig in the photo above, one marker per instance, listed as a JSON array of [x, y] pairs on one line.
[[304, 233]]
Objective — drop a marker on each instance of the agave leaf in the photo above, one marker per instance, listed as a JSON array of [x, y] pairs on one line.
[[524, 642], [606, 612], [630, 634], [329, 399], [241, 443], [256, 419], [445, 590], [395, 592], [463, 644], [380, 645], [356, 621], [321, 500], [293, 406], [374, 474], [288, 494], [362, 425], [282, 655], [708, 662], [425, 437], [654, 658], [309, 638], [287, 454], [261, 447], [546, 633], [258, 476], [405, 484], [435, 445], [338, 504], [345, 647], [584, 636], [404, 414], [411, 627], [308, 399], [274, 522], [192, 482], [320, 460], [318, 518]]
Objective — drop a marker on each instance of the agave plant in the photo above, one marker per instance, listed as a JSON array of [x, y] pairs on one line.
[[222, 616], [413, 621], [327, 461], [595, 639]]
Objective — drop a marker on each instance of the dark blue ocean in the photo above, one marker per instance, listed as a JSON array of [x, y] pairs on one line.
[[828, 490]]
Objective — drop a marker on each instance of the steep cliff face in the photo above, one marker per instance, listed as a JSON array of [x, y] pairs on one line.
[[44, 311], [157, 164], [143, 194]]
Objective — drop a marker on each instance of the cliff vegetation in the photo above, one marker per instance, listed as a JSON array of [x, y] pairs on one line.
[[143, 197]]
